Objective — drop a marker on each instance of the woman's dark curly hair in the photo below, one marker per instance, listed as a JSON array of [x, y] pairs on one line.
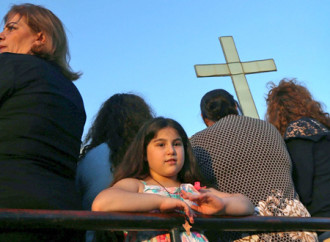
[[289, 102], [116, 124]]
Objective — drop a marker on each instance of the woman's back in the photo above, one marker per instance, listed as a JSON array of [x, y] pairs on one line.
[[308, 142], [245, 155], [93, 174], [41, 112], [41, 122]]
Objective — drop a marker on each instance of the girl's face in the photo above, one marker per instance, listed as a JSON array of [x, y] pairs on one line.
[[17, 37], [165, 154]]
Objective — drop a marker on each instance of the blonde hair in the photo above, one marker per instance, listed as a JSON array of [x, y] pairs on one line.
[[40, 19]]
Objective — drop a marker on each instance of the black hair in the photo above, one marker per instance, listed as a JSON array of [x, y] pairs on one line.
[[217, 104], [116, 124]]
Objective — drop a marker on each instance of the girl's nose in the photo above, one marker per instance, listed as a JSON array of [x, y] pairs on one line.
[[171, 149]]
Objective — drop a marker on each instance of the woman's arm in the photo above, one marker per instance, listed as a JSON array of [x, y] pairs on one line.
[[301, 152], [211, 201], [126, 196], [7, 76], [93, 174]]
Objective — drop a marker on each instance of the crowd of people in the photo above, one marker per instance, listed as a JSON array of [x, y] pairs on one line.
[[236, 166]]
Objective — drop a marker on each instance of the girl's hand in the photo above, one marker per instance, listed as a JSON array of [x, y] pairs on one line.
[[205, 203], [172, 204], [211, 201]]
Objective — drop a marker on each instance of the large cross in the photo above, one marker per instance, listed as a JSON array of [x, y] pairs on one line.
[[237, 70]]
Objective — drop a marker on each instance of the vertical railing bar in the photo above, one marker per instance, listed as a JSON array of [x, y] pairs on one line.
[[175, 235]]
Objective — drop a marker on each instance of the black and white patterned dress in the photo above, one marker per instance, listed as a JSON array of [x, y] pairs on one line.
[[245, 155]]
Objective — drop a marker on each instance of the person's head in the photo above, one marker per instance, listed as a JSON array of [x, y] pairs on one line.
[[116, 124], [217, 104], [160, 148], [289, 101], [35, 30]]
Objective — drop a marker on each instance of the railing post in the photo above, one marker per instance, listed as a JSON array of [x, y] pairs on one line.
[[175, 235]]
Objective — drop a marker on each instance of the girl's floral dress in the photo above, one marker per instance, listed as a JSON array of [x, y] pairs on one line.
[[160, 236]]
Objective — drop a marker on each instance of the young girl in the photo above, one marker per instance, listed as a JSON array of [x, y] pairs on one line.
[[152, 174]]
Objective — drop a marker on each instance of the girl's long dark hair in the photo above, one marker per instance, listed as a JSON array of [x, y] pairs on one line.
[[135, 163], [116, 124]]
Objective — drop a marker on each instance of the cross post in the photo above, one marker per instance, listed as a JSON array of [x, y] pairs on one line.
[[237, 71]]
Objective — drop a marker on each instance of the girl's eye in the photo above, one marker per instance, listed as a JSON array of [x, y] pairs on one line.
[[178, 143], [161, 144]]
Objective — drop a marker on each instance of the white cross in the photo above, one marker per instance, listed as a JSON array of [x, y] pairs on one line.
[[237, 70]]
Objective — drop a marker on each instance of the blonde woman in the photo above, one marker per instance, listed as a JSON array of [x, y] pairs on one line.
[[41, 117]]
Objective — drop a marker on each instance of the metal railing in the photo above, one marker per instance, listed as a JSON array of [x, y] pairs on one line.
[[25, 219]]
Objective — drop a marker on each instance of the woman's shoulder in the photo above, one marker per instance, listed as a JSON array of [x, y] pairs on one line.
[[233, 125], [26, 67], [97, 155], [101, 148], [13, 58], [305, 128]]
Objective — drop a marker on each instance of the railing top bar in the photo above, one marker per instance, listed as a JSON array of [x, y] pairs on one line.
[[39, 219]]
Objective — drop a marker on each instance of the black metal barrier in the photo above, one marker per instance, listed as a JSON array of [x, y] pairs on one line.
[[25, 219]]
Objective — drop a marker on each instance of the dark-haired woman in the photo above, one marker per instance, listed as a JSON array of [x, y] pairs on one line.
[[245, 155], [115, 126], [106, 142]]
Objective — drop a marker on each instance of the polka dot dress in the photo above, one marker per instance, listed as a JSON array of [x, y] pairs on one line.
[[246, 155]]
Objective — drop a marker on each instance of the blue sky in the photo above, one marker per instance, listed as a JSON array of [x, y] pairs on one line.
[[150, 47]]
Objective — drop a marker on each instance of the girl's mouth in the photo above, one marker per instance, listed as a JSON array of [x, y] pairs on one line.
[[171, 160]]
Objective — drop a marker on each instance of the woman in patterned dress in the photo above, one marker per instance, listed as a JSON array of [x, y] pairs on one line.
[[245, 155]]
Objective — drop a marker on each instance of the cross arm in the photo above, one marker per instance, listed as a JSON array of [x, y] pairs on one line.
[[212, 70], [258, 66]]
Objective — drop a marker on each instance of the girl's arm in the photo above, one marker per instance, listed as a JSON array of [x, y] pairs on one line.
[[126, 196], [211, 201]]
